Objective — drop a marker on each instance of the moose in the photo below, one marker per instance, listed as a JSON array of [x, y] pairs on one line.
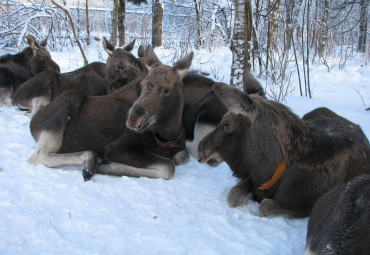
[[135, 131], [202, 109], [339, 222], [18, 68], [122, 66], [47, 85], [283, 162]]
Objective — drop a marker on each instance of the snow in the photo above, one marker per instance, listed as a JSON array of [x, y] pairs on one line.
[[53, 211]]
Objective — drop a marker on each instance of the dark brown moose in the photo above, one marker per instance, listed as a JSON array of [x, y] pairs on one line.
[[340, 220], [16, 69], [202, 109], [259, 139], [138, 127], [47, 85], [122, 66]]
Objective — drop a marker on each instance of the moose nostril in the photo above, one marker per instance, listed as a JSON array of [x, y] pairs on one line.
[[200, 158], [139, 110]]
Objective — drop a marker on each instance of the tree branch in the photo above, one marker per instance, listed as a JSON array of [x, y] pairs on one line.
[[73, 29]]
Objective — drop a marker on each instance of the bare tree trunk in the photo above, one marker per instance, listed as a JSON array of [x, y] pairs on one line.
[[324, 34], [308, 48], [115, 22], [274, 22], [87, 23], [273, 29], [157, 8], [363, 26], [289, 23], [241, 41], [73, 29], [121, 22], [199, 11]]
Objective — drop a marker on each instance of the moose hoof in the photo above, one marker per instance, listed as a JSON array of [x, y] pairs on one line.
[[268, 208], [237, 197], [181, 158], [87, 175]]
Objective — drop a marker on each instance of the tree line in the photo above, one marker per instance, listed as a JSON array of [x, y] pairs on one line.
[[266, 36]]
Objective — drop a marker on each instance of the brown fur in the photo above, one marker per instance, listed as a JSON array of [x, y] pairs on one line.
[[16, 69], [256, 134], [340, 221], [201, 106], [121, 127], [122, 66], [251, 85], [49, 84]]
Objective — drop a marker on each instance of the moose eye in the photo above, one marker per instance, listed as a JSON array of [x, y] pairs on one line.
[[227, 128], [149, 87], [166, 92]]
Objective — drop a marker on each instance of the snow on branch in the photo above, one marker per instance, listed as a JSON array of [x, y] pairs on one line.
[[67, 12]]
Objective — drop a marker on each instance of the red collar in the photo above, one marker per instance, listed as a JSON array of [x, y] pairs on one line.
[[171, 144]]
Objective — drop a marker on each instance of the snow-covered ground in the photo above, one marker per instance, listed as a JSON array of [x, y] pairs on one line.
[[53, 211]]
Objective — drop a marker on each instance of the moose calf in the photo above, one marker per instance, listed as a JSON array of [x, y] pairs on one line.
[[47, 85], [284, 162], [16, 69], [137, 130]]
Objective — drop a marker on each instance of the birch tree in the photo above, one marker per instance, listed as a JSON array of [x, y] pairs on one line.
[[199, 10], [241, 41], [364, 5], [87, 22]]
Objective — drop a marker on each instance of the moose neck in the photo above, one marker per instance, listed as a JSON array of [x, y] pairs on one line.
[[170, 129]]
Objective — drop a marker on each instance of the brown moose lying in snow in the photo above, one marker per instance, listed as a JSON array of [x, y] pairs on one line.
[[122, 67], [340, 220], [138, 127], [259, 139], [18, 68], [47, 85]]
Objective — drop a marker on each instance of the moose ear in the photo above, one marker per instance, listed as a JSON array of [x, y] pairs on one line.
[[182, 66], [33, 44], [130, 46], [108, 47], [140, 51], [251, 85], [233, 98], [151, 60], [44, 42]]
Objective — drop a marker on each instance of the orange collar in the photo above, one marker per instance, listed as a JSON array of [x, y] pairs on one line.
[[276, 176]]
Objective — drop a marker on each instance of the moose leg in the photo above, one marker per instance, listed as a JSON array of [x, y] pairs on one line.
[[181, 158], [271, 208], [239, 194], [138, 164], [49, 143], [39, 102]]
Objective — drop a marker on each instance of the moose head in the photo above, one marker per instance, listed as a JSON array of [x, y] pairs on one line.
[[40, 59], [161, 94], [251, 126], [122, 66]]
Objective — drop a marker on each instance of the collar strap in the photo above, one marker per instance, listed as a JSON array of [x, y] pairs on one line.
[[171, 144], [276, 176]]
